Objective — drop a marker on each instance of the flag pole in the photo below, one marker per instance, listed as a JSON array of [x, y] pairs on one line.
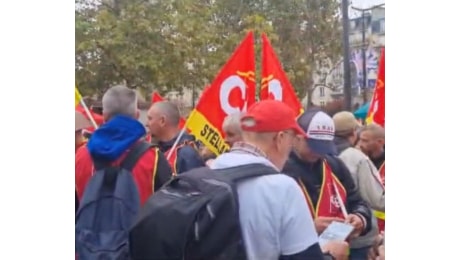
[[83, 104], [182, 132], [176, 143], [184, 128]]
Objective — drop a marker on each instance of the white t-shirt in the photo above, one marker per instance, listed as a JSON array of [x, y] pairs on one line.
[[274, 216]]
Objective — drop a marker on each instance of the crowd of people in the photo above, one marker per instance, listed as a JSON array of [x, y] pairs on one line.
[[323, 170]]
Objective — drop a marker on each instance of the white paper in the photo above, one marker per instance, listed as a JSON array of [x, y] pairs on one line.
[[336, 231]]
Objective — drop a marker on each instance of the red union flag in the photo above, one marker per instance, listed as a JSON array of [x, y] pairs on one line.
[[275, 83], [376, 113], [233, 90]]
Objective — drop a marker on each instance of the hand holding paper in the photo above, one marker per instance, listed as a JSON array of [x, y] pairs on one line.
[[336, 231], [357, 223], [321, 223], [338, 249]]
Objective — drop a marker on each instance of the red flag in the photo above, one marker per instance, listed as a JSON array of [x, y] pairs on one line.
[[233, 90], [331, 191], [275, 83], [376, 113], [157, 98], [97, 118]]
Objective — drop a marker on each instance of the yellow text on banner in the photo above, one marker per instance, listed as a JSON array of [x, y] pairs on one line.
[[204, 131]]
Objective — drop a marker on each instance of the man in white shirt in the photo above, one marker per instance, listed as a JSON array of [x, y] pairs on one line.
[[275, 220]]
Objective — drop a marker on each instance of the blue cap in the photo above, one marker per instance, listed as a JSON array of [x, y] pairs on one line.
[[320, 130]]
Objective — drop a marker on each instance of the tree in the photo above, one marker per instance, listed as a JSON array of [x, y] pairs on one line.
[[141, 44], [303, 32], [176, 44]]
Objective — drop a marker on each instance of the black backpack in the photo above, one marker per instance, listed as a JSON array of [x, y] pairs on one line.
[[194, 217], [108, 208]]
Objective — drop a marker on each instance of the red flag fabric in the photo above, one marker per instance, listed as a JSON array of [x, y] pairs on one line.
[[275, 83], [233, 90], [331, 190], [97, 118], [376, 113]]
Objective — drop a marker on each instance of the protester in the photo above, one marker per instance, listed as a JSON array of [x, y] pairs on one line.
[[358, 134], [287, 230], [113, 139], [81, 122], [364, 174], [163, 122], [372, 143], [206, 154], [317, 172], [377, 252], [232, 128], [232, 131]]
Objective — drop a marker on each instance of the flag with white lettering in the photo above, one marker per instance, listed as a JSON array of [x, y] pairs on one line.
[[275, 83], [233, 90]]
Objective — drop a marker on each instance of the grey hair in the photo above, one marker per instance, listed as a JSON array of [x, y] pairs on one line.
[[170, 111], [233, 121], [119, 100]]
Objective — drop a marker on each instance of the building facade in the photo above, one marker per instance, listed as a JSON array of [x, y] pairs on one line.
[[370, 44]]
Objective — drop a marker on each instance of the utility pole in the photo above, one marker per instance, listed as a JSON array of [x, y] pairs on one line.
[[363, 45], [346, 55]]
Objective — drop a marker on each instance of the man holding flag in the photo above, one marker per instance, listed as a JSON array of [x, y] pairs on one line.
[[325, 180], [163, 123]]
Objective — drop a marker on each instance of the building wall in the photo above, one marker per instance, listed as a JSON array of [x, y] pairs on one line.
[[321, 95], [374, 41]]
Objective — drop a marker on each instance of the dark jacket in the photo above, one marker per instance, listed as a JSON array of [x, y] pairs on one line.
[[310, 174], [76, 202], [188, 157]]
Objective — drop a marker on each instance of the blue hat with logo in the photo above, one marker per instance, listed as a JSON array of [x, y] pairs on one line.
[[320, 131]]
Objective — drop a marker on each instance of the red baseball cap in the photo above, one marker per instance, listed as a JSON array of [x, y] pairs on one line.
[[270, 116]]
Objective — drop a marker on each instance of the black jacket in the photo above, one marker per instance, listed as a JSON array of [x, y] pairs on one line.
[[311, 177]]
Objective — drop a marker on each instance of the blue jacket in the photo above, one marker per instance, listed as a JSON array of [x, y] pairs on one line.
[[188, 157]]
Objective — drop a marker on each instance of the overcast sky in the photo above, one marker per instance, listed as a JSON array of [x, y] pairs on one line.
[[363, 4]]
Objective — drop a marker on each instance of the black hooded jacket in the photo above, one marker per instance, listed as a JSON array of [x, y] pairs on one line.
[[311, 177]]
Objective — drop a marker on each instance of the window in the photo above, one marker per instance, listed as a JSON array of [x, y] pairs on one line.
[[382, 25], [322, 103], [321, 91], [378, 26]]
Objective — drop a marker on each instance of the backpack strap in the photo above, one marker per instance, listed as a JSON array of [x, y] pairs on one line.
[[134, 155], [232, 174], [99, 164], [247, 171]]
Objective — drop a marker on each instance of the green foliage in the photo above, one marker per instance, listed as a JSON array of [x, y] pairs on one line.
[[172, 44]]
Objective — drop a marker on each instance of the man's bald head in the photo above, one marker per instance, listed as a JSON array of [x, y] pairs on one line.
[[169, 110], [375, 130], [372, 140], [163, 120]]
